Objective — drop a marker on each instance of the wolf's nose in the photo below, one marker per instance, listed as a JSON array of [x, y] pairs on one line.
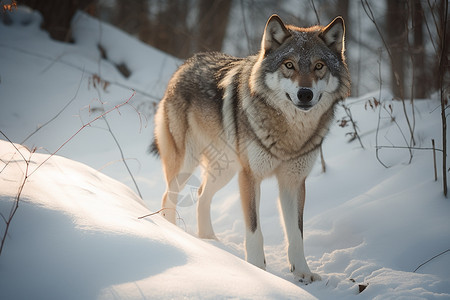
[[305, 95]]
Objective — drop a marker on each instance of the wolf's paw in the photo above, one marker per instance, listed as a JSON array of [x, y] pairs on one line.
[[257, 262], [305, 277]]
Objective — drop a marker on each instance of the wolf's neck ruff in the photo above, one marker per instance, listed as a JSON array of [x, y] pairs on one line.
[[277, 129]]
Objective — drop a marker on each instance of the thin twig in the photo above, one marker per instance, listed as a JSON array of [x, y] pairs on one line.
[[79, 130], [58, 114], [407, 147], [6, 137], [315, 11], [249, 48], [322, 160], [443, 252], [371, 16], [428, 28], [155, 213], [15, 207], [123, 157], [413, 74], [165, 208], [436, 23], [354, 126], [401, 132], [379, 116], [106, 120], [434, 160], [156, 98], [369, 13]]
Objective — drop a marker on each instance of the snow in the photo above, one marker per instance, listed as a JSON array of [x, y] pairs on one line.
[[77, 235], [77, 232]]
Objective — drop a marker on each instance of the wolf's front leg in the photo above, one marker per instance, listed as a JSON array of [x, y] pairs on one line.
[[250, 193], [292, 202]]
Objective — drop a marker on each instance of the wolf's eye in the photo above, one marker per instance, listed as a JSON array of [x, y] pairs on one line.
[[318, 66], [289, 65]]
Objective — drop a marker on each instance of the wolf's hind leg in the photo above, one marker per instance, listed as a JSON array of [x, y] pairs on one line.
[[212, 182], [176, 178], [249, 187]]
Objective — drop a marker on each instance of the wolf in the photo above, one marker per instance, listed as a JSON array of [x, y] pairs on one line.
[[259, 116]]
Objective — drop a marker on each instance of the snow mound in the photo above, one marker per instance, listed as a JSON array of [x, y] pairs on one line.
[[76, 235]]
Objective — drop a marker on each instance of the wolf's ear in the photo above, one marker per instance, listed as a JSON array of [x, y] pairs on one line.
[[333, 34], [274, 34]]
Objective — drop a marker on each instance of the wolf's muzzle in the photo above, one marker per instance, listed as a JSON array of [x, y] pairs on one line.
[[304, 97]]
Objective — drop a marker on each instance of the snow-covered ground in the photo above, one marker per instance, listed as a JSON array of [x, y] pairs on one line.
[[76, 233]]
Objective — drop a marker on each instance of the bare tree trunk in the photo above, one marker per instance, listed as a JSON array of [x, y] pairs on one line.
[[58, 14], [164, 24], [212, 24], [342, 10], [396, 37], [444, 47], [130, 16], [420, 76]]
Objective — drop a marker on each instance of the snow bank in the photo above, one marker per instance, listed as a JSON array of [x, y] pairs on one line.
[[76, 235], [149, 67]]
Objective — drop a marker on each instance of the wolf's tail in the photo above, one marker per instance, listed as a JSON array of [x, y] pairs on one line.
[[153, 148]]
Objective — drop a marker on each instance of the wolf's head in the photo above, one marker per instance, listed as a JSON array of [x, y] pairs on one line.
[[302, 66]]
